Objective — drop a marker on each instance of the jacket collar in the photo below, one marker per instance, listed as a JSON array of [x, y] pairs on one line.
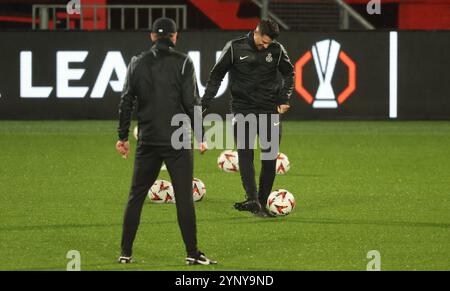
[[251, 40], [164, 44]]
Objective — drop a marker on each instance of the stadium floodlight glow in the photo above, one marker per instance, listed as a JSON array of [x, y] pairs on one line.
[[393, 74]]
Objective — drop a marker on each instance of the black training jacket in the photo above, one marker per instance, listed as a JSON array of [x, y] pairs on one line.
[[162, 83], [254, 81]]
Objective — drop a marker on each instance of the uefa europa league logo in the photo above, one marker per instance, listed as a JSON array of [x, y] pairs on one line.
[[325, 55]]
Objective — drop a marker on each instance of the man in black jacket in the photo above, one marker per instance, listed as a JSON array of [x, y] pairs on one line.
[[255, 63], [162, 83]]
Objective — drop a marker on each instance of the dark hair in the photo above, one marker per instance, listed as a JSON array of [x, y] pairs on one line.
[[269, 27]]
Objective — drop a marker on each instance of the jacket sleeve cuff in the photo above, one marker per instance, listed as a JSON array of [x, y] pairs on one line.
[[123, 137], [282, 101]]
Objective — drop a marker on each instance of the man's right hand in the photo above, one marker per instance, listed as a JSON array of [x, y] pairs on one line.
[[283, 108], [123, 148]]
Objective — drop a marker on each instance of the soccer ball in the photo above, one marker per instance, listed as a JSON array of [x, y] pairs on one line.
[[198, 189], [135, 132], [161, 192], [283, 164], [228, 161], [280, 202]]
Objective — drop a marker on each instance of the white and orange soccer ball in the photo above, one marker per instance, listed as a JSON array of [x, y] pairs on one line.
[[228, 161], [283, 164], [280, 202], [198, 189], [161, 192]]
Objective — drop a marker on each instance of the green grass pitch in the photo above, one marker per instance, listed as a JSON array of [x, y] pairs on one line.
[[359, 186]]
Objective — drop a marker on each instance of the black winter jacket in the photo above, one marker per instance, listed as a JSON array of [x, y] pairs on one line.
[[162, 83], [254, 82]]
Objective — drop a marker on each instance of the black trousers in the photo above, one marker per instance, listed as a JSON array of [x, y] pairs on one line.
[[147, 166], [246, 160]]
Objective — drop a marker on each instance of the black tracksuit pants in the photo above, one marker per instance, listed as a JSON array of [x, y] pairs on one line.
[[246, 162], [147, 166]]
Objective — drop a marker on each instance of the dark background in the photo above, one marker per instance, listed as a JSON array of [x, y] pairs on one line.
[[423, 85]]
